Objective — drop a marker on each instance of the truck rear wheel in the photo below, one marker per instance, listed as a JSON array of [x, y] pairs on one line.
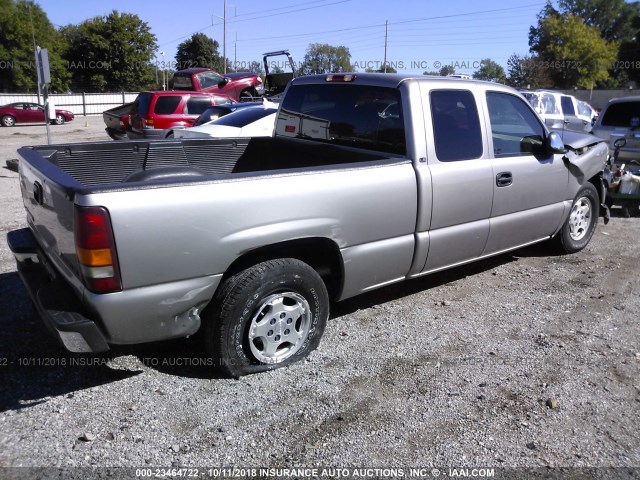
[[579, 227], [265, 317]]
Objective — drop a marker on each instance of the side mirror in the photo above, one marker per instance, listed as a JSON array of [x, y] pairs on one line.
[[223, 82], [620, 142], [555, 144]]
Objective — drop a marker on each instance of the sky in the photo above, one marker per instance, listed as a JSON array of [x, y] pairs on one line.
[[421, 35]]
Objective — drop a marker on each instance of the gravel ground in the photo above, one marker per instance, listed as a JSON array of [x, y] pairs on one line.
[[524, 360]]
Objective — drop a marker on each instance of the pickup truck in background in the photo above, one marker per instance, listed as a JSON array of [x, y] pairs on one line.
[[240, 86], [117, 120], [368, 180]]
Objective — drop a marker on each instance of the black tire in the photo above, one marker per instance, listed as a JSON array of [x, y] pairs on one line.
[[8, 121], [59, 120], [578, 229], [247, 95], [266, 317]]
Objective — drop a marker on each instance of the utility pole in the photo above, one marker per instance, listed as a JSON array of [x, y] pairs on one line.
[[35, 48], [386, 25], [224, 36]]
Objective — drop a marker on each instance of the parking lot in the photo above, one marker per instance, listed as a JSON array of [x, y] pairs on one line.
[[524, 360]]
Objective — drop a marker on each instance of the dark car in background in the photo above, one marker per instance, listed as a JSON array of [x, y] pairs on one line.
[[214, 113], [25, 112], [155, 112]]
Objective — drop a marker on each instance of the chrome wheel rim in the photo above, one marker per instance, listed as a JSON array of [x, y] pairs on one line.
[[9, 121], [279, 327], [580, 218]]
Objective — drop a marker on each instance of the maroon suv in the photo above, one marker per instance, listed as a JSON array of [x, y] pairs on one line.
[[155, 112]]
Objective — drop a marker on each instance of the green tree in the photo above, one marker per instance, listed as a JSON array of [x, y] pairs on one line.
[[613, 18], [17, 72], [490, 71], [447, 70], [324, 58], [527, 72], [256, 67], [199, 51], [111, 52], [616, 22], [576, 53], [381, 69], [629, 56]]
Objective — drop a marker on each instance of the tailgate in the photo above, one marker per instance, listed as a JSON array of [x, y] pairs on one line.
[[116, 118], [50, 211]]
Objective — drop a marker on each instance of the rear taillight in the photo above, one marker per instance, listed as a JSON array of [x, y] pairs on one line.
[[149, 122], [96, 250]]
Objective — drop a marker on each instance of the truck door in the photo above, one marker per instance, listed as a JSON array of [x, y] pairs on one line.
[[529, 185], [461, 177], [571, 120]]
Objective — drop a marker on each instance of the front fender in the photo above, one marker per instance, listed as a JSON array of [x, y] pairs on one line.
[[586, 162]]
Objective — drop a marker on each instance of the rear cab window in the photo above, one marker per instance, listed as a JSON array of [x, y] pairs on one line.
[[142, 103], [362, 116], [182, 81], [567, 105]]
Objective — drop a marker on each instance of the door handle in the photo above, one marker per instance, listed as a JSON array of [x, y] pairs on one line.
[[504, 179]]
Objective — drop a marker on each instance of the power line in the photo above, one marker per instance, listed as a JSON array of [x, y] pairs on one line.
[[399, 22]]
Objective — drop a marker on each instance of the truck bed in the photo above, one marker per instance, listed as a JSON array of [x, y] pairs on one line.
[[117, 164]]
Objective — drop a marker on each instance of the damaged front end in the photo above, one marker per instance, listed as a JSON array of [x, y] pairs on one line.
[[586, 158]]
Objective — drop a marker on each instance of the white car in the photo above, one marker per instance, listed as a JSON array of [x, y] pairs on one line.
[[558, 110], [586, 112], [252, 121]]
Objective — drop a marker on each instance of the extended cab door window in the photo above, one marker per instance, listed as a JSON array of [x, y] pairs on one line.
[[456, 125], [515, 130], [461, 191]]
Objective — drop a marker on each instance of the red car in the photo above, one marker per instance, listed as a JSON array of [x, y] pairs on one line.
[[240, 86], [24, 112], [155, 112]]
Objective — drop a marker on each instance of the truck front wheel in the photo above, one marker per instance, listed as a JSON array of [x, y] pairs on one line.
[[579, 227], [265, 317], [248, 95]]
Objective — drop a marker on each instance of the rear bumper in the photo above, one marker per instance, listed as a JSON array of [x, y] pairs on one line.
[[55, 301], [153, 133]]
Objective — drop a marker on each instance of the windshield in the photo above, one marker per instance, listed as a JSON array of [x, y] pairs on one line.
[[621, 114], [241, 118], [345, 114]]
